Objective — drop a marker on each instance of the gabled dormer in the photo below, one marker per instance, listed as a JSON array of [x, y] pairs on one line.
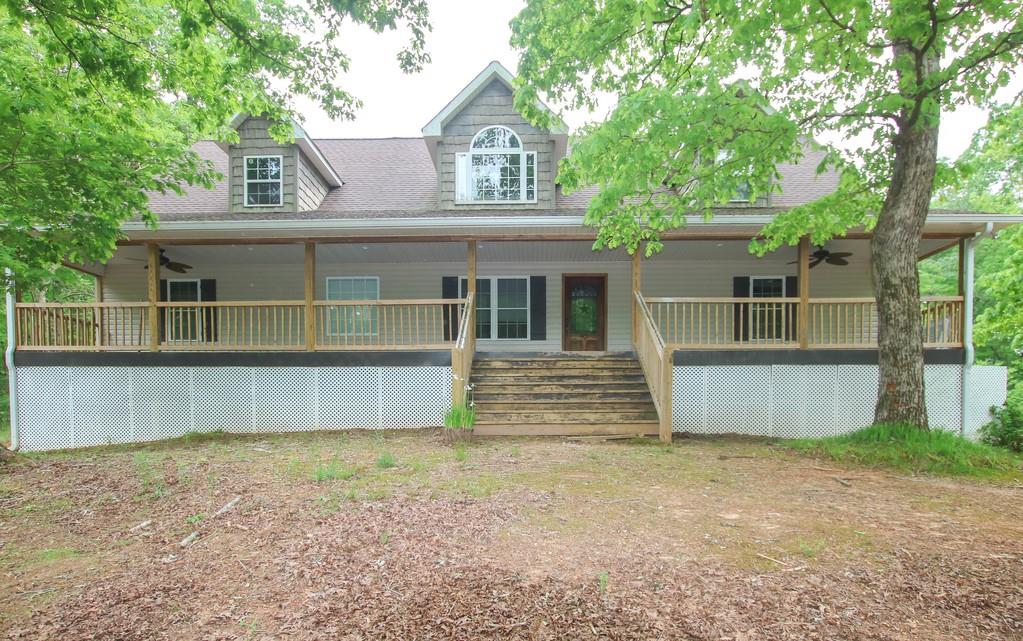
[[487, 155], [267, 177]]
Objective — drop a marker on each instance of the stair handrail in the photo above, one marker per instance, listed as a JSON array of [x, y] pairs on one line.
[[463, 351], [657, 362]]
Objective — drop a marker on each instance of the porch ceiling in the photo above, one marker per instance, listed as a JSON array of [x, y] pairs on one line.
[[488, 251]]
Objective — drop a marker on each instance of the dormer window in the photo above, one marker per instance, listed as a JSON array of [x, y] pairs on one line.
[[264, 181], [496, 169]]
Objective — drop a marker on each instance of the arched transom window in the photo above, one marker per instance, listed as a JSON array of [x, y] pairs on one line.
[[496, 169]]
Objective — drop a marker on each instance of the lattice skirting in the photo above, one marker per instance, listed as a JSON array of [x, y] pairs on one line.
[[807, 401], [64, 407]]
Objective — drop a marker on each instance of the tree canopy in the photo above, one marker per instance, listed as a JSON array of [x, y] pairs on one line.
[[100, 101], [712, 96]]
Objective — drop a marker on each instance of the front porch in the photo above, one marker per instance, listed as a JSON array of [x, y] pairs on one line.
[[324, 315]]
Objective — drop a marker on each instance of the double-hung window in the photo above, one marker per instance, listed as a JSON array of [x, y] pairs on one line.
[[504, 316], [353, 319], [495, 169], [264, 181]]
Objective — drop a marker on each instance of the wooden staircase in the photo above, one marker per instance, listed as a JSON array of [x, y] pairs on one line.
[[561, 394]]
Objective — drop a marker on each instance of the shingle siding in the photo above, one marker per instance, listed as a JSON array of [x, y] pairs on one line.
[[256, 141], [311, 186], [494, 106]]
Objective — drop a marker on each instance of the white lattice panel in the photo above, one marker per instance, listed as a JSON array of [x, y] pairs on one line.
[[942, 393], [987, 385], [689, 398], [804, 400], [101, 405], [162, 402], [222, 399], [349, 397], [856, 396], [44, 408], [739, 400], [414, 396], [285, 399], [63, 407]]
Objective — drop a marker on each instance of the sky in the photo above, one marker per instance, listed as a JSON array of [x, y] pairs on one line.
[[466, 36]]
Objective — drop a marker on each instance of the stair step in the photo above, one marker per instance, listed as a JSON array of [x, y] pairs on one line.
[[560, 364], [561, 417], [545, 429], [564, 406], [497, 396], [520, 387], [560, 378], [555, 371]]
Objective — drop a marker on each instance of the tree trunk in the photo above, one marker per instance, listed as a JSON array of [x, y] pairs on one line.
[[894, 249]]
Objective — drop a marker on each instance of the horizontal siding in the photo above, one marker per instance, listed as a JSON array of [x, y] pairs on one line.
[[311, 186]]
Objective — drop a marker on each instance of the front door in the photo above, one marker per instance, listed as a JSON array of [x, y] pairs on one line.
[[584, 313]]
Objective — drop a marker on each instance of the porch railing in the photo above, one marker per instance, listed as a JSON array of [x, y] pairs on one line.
[[764, 323], [239, 325], [656, 360], [82, 326], [462, 353]]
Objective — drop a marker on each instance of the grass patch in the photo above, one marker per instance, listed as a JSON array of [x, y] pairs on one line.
[[386, 460], [332, 471], [49, 555], [908, 449]]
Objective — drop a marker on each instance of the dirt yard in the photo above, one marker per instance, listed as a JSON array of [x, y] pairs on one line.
[[398, 536]]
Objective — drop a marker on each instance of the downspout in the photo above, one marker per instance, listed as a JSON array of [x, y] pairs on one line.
[[968, 350], [12, 372]]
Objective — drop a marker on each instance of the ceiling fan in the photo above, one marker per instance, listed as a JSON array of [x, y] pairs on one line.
[[824, 256], [167, 263]]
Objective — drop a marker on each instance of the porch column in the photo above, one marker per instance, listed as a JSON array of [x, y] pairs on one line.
[[310, 292], [471, 275], [803, 324], [637, 282], [153, 293]]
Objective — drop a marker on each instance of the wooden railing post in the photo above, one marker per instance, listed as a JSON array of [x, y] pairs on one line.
[[310, 291], [153, 292], [471, 277], [803, 323], [667, 379]]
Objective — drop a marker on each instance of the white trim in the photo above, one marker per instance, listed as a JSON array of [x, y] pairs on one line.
[[246, 181], [463, 169], [516, 222], [12, 371], [326, 296], [494, 308], [494, 70]]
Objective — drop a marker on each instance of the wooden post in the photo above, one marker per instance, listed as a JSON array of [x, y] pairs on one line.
[[153, 291], [310, 293], [471, 276], [637, 282], [962, 289], [98, 289], [803, 325], [667, 378]]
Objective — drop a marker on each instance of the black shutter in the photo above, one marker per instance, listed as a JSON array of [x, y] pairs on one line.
[[537, 308], [449, 289], [162, 311], [740, 311], [208, 294], [792, 309]]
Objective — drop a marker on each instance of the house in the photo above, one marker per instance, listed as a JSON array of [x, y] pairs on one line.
[[352, 283]]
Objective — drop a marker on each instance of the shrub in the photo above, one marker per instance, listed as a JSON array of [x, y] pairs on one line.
[[1005, 428]]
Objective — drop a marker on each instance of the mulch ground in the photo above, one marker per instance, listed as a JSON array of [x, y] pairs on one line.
[[515, 539]]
